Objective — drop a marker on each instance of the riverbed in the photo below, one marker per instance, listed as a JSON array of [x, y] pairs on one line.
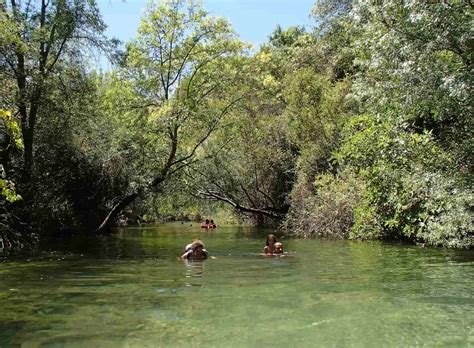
[[131, 290]]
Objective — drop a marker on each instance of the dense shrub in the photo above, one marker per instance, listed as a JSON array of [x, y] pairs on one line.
[[390, 184], [411, 192], [329, 211], [70, 189]]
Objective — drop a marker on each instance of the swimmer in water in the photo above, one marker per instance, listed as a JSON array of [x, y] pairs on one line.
[[278, 248], [195, 251], [270, 244]]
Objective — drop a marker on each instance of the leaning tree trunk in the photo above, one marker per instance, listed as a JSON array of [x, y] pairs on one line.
[[129, 199], [110, 218]]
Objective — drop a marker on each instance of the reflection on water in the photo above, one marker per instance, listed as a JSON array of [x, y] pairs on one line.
[[194, 269], [131, 290]]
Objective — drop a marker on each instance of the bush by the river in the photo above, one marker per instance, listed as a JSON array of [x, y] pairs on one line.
[[391, 184]]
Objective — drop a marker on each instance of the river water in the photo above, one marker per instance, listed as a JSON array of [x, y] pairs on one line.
[[130, 290]]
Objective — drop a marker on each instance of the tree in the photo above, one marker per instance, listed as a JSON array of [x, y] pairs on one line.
[[179, 68], [285, 38], [248, 164], [391, 172], [416, 67], [287, 126], [38, 36]]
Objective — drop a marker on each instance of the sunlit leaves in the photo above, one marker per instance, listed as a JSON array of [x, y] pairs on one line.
[[8, 191], [7, 187], [12, 127], [415, 58], [170, 93], [407, 194]]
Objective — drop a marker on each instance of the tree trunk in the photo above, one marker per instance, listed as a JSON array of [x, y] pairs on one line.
[[28, 154], [110, 218]]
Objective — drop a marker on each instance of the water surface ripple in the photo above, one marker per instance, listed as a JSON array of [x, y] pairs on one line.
[[130, 290]]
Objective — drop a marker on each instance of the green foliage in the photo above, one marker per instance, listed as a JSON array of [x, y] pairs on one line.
[[12, 128], [315, 111], [177, 72], [9, 191], [370, 140], [170, 94], [288, 123], [249, 161], [73, 181], [177, 203], [74, 189], [408, 194], [361, 128], [13, 131], [335, 34], [420, 206], [286, 38], [331, 16], [415, 60], [404, 171]]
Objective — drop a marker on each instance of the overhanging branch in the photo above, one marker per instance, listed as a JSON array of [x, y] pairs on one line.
[[266, 211]]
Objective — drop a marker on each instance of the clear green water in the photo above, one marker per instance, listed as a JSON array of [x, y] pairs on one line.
[[130, 290]]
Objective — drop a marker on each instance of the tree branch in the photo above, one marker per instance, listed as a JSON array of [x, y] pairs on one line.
[[271, 213], [209, 132]]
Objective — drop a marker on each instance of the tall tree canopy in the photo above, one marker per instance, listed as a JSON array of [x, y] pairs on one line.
[[405, 148], [38, 35], [179, 71], [360, 128]]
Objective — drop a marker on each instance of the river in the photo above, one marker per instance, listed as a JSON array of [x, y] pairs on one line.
[[130, 290]]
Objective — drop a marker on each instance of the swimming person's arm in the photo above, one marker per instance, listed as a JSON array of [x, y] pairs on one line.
[[186, 254]]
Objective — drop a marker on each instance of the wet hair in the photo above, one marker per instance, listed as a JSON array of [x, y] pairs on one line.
[[207, 221], [197, 243], [271, 237]]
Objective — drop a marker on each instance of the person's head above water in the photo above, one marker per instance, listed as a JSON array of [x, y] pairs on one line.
[[198, 251], [271, 239], [270, 244], [197, 243], [195, 251], [278, 248]]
